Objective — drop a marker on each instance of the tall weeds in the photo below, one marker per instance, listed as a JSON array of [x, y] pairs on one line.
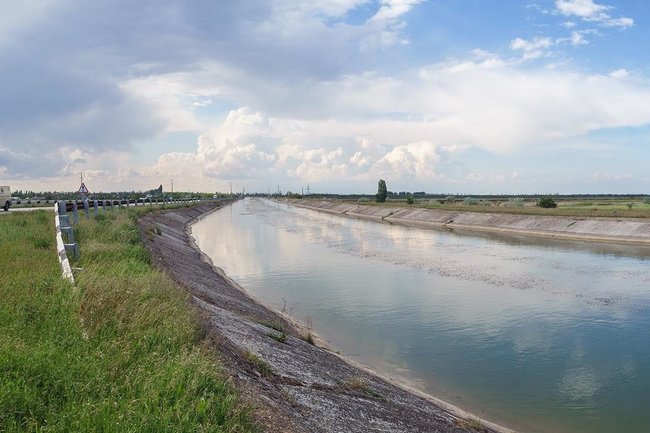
[[121, 352]]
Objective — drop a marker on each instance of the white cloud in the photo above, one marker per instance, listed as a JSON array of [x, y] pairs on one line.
[[325, 103], [393, 9], [242, 147], [332, 8], [413, 160], [588, 10], [611, 176], [619, 73], [532, 49], [409, 124], [577, 38], [321, 165]]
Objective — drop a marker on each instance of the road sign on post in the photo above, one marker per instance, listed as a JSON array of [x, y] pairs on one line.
[[83, 191]]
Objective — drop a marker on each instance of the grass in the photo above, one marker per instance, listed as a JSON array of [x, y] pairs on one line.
[[280, 338], [272, 324], [308, 337], [121, 352], [472, 424], [261, 366], [360, 385]]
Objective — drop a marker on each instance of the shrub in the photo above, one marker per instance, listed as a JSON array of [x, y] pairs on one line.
[[470, 201], [646, 200], [410, 199], [546, 202]]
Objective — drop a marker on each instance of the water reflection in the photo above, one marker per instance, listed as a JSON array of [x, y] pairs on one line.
[[543, 335]]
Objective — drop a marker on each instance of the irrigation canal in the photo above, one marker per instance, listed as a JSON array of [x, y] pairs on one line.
[[538, 335]]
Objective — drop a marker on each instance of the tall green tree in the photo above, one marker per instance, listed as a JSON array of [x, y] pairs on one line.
[[382, 192]]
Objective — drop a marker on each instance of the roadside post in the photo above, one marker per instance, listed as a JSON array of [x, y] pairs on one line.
[[70, 246], [75, 213]]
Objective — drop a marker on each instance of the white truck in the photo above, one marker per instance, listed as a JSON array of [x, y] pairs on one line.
[[5, 197]]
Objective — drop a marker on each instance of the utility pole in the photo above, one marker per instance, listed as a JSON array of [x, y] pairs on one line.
[[172, 181], [230, 187], [307, 189]]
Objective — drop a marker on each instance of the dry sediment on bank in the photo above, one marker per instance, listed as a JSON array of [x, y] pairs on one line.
[[620, 230], [294, 385]]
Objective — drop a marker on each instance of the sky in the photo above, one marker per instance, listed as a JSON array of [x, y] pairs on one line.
[[442, 96]]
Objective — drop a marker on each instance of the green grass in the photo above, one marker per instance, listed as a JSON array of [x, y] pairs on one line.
[[122, 352], [280, 338], [261, 366], [360, 385]]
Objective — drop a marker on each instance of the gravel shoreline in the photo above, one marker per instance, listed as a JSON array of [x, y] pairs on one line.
[[294, 386]]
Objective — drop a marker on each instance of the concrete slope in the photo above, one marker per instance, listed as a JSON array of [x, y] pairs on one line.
[[620, 230]]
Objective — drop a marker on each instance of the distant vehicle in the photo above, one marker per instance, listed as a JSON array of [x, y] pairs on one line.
[[5, 197]]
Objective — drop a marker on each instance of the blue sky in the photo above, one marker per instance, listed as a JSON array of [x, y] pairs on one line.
[[462, 96]]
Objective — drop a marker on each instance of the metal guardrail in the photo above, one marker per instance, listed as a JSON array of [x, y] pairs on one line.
[[62, 224], [66, 245]]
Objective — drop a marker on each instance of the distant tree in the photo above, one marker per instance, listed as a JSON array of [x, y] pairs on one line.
[[381, 191], [546, 202]]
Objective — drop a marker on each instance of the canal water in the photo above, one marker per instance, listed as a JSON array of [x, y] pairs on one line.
[[537, 335]]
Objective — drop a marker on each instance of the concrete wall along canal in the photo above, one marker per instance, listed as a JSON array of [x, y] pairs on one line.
[[623, 230]]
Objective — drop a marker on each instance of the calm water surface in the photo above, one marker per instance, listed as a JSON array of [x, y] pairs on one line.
[[541, 336]]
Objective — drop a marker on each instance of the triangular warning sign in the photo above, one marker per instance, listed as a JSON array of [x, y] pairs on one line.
[[83, 189]]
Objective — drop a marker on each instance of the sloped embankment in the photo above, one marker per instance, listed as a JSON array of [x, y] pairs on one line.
[[296, 386], [619, 230]]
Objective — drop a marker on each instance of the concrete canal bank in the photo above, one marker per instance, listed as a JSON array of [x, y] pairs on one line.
[[294, 386], [618, 230]]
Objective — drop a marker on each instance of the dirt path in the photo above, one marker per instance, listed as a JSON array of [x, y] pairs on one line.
[[294, 385]]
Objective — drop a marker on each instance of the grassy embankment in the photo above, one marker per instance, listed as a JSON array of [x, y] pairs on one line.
[[603, 208], [120, 353]]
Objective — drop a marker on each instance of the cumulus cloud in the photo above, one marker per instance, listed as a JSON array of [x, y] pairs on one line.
[[408, 125], [238, 149], [412, 160], [392, 9], [619, 73], [297, 86], [588, 10], [532, 49], [73, 77]]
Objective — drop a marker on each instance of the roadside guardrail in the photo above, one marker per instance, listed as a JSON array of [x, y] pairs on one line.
[[65, 242]]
